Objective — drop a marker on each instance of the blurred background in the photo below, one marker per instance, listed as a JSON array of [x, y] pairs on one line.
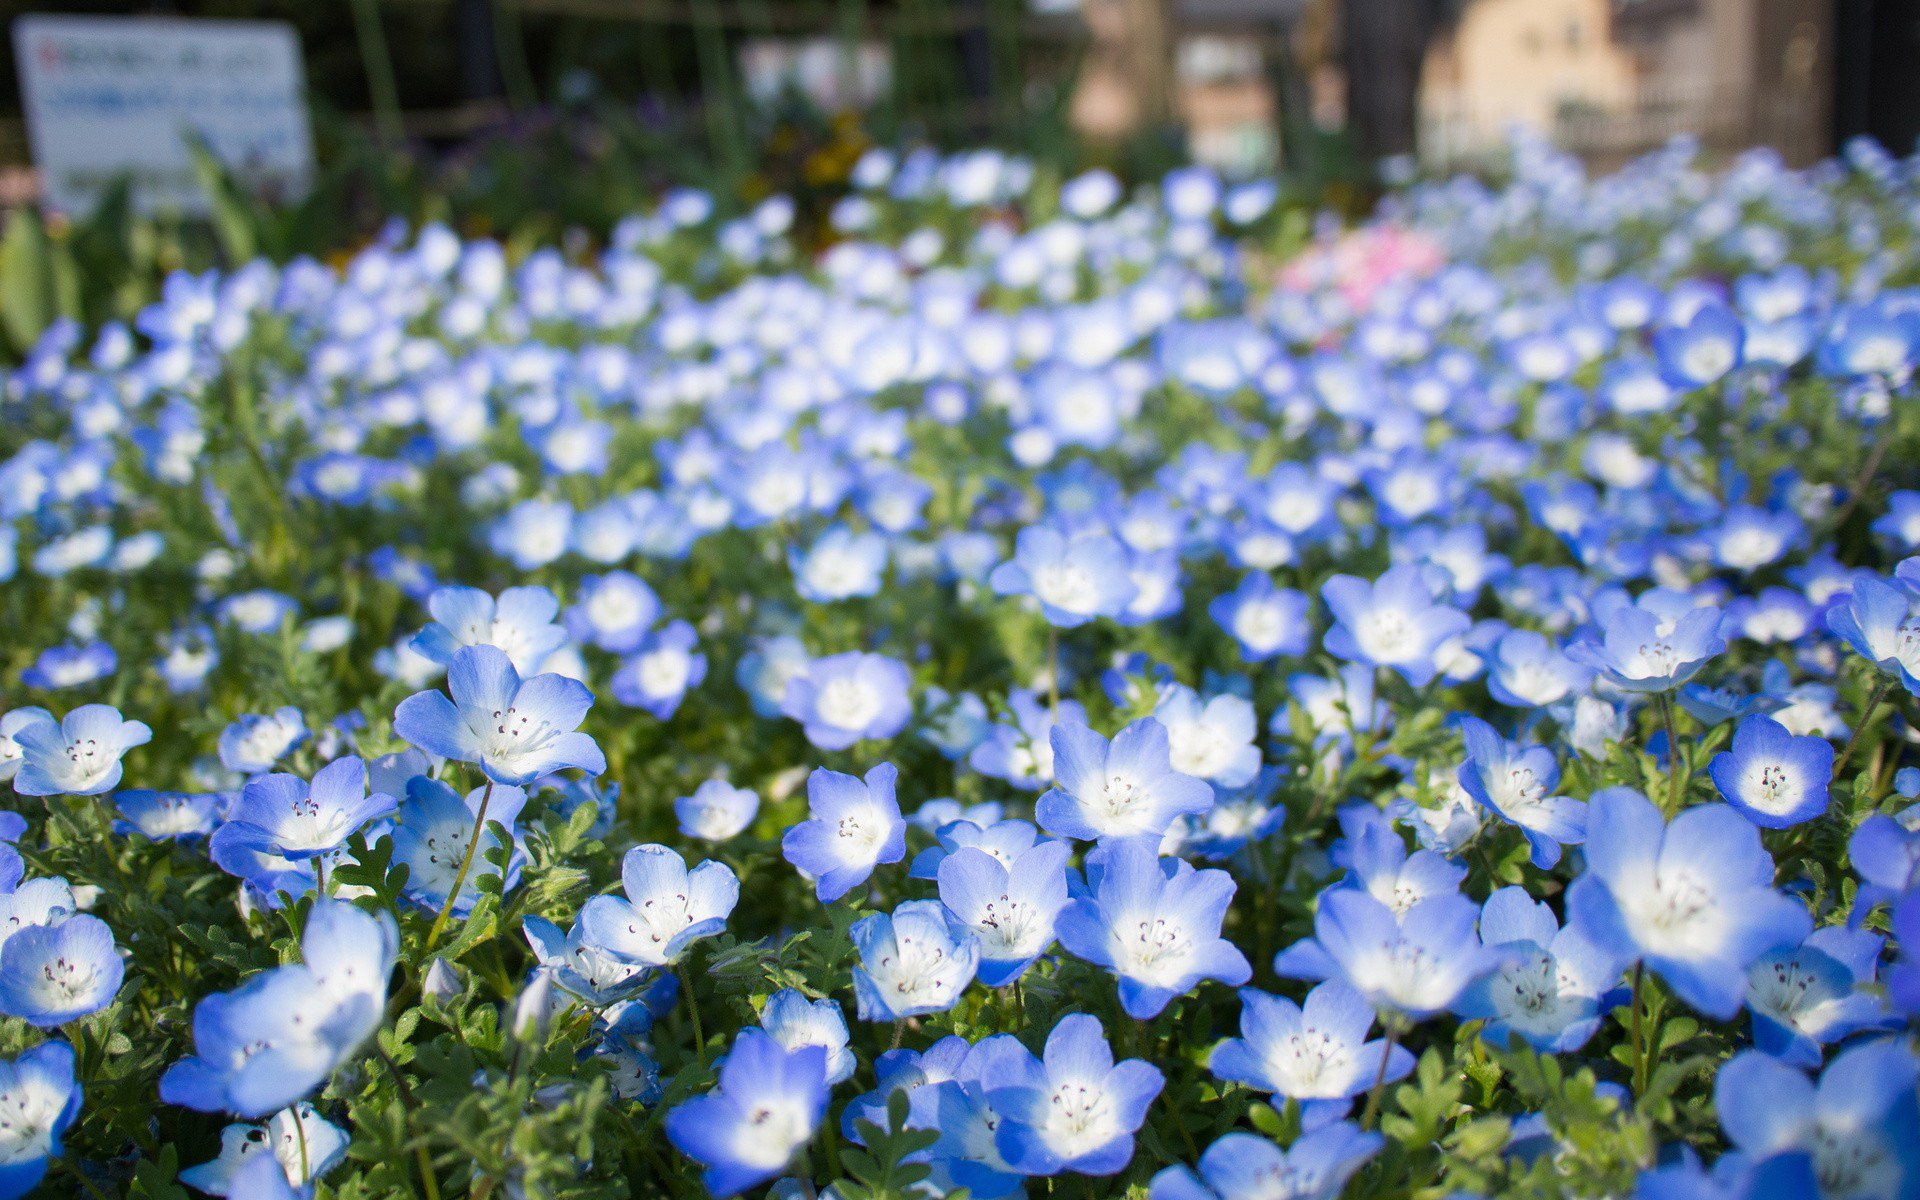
[[526, 119]]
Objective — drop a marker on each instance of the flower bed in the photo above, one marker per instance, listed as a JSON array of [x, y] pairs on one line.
[[680, 716]]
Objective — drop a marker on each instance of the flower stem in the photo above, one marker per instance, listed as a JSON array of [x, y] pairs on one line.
[[466, 864], [1639, 1043], [320, 875], [1053, 671], [1676, 782], [1874, 698], [693, 1010], [1372, 1112]]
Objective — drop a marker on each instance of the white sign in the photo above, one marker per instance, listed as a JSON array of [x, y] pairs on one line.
[[108, 97]]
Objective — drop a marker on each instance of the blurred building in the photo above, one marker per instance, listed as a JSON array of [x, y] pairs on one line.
[[1610, 79]]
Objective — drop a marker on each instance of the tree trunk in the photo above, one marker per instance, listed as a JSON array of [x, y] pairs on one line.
[[1384, 44]]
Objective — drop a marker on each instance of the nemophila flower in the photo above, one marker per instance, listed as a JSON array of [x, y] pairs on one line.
[[301, 1153], [1885, 853], [840, 564], [582, 969], [1020, 747], [1876, 619], [433, 831], [1860, 1123], [1694, 899], [916, 960], [612, 611], [12, 753], [1238, 1165], [272, 1040], [1158, 932], [1640, 652], [765, 669], [1380, 865], [1266, 621], [954, 724], [1517, 783], [1702, 350], [257, 611], [853, 826], [1074, 578], [516, 730], [1772, 777], [79, 756], [657, 676], [288, 816], [60, 971], [1526, 670], [1074, 1108], [1392, 622], [666, 910], [41, 1098], [61, 667], [164, 816], [795, 1021], [844, 698], [1011, 906], [716, 811], [1316, 1052], [1415, 966], [1211, 738], [1749, 538], [768, 1105], [1814, 994], [1003, 841], [1554, 986], [520, 624], [1125, 788]]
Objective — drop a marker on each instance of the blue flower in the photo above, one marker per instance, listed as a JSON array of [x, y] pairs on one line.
[[1860, 1124], [1003, 841], [1816, 993], [71, 666], [59, 971], [1526, 670], [612, 611], [1517, 783], [1125, 788], [1011, 906], [42, 1098], [667, 908], [839, 564], [1074, 1109], [1699, 352], [164, 816], [1266, 621], [275, 1038], [1020, 747], [1073, 578], [1241, 1165], [1415, 965], [79, 756], [1772, 777], [1886, 855], [520, 624], [300, 1153], [12, 754], [1210, 738], [254, 744], [795, 1021], [662, 668], [917, 960], [517, 731], [1316, 1053], [434, 829], [716, 811], [582, 969], [1642, 652], [1877, 620], [1553, 987], [1693, 900], [1154, 923], [844, 698], [852, 827], [287, 816], [768, 1105], [1391, 622], [1380, 865]]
